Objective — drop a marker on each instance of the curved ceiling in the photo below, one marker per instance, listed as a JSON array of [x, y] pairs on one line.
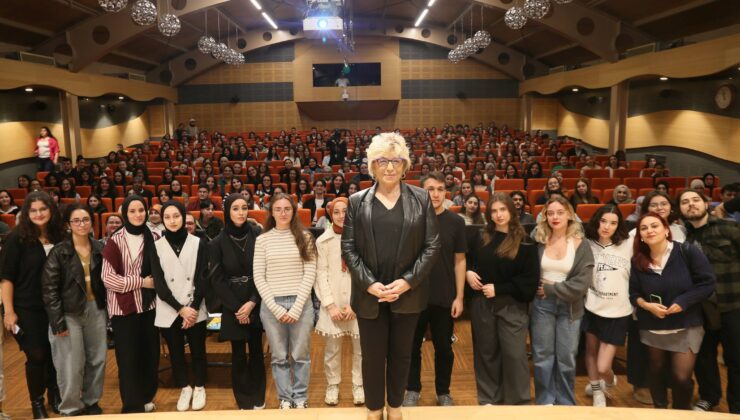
[[581, 33]]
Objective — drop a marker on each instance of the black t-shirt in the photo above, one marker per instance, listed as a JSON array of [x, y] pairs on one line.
[[387, 226], [23, 265], [452, 237]]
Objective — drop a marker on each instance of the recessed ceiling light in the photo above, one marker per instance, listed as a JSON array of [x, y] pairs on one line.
[[29, 89], [663, 79], [575, 89], [120, 98]]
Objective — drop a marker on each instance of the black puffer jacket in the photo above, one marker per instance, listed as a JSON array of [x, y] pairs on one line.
[[63, 285], [417, 253]]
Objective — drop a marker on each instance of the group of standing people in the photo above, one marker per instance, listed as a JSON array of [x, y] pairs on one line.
[[392, 263]]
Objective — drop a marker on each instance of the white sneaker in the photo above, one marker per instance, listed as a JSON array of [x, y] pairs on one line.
[[332, 395], [285, 405], [358, 394], [184, 402], [599, 399], [199, 398], [302, 404], [149, 407], [604, 386], [259, 407]]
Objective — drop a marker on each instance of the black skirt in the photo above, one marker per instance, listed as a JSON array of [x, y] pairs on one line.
[[34, 327], [607, 330]]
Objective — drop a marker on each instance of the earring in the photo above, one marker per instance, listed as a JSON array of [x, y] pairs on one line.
[[642, 240]]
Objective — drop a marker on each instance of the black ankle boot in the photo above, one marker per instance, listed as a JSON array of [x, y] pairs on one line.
[[54, 399], [38, 408]]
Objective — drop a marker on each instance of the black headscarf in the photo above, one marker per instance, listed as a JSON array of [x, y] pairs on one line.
[[231, 228], [176, 239], [147, 295]]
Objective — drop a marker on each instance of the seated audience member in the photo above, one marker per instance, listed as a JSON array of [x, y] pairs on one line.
[[465, 189], [203, 195], [582, 194], [363, 175], [137, 188], [621, 195], [113, 223], [471, 211], [7, 203], [553, 186], [698, 186], [563, 163], [208, 222], [24, 182], [319, 201], [662, 186], [520, 202], [154, 222]]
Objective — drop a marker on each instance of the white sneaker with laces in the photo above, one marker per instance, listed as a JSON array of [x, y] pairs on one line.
[[285, 405], [302, 404], [358, 394], [599, 399], [332, 395], [183, 403], [199, 398]]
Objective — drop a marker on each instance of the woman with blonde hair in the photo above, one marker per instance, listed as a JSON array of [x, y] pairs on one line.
[[621, 195], [336, 318], [390, 283], [566, 266]]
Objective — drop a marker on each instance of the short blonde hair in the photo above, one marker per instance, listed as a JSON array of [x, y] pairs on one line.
[[390, 144], [575, 229]]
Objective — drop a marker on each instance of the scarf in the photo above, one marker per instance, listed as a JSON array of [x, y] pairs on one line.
[[335, 227], [231, 228], [176, 239]]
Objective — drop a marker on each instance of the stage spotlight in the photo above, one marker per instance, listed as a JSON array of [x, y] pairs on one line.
[[322, 23]]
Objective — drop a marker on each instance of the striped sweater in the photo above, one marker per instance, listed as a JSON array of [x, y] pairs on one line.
[[280, 271]]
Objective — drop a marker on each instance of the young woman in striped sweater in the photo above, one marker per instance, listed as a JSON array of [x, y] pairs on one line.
[[284, 273]]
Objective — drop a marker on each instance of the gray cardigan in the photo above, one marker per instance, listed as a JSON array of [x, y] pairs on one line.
[[573, 289]]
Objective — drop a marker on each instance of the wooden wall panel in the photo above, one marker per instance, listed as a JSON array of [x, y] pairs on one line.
[[444, 69], [98, 142], [246, 73], [545, 114], [592, 130], [19, 138], [712, 134], [242, 116], [156, 120]]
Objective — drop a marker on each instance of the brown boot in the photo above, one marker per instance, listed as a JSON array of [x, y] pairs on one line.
[[393, 413], [375, 415]]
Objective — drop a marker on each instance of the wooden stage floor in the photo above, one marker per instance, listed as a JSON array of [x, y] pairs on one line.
[[220, 397]]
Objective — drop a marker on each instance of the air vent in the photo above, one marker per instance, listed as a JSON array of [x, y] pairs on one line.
[[137, 76], [36, 58], [643, 49], [558, 69]]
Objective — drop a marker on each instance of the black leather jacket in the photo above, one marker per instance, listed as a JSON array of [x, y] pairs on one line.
[[418, 250], [63, 286]]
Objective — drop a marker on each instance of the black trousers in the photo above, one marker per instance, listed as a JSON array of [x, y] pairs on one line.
[[440, 322], [41, 376], [637, 357], [706, 369], [137, 355], [386, 356], [248, 378], [175, 338]]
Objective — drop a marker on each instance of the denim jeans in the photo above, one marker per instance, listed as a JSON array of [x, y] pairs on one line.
[[290, 346], [554, 346]]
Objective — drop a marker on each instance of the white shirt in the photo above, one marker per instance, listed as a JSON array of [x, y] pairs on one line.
[[557, 270], [44, 149], [608, 294]]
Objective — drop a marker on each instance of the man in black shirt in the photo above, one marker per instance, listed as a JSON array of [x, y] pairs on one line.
[[445, 298]]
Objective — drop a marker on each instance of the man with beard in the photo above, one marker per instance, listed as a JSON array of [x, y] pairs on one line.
[[720, 241]]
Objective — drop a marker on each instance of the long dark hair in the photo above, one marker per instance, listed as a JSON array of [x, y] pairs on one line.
[[71, 208], [592, 228], [303, 239], [28, 231], [516, 235], [672, 217], [640, 250]]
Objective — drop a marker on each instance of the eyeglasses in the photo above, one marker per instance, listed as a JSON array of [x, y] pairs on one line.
[[383, 162], [284, 210], [40, 210], [660, 204], [560, 213], [80, 222]]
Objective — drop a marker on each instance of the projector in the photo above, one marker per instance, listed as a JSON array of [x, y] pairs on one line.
[[318, 27]]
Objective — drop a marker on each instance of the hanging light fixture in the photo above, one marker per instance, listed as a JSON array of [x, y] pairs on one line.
[[144, 13], [112, 6], [206, 42], [536, 9], [482, 37], [562, 1], [515, 18], [168, 24]]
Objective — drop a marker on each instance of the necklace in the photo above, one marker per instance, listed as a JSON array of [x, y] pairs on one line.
[[239, 241]]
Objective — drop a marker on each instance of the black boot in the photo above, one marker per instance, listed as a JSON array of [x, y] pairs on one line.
[[54, 399], [38, 408]]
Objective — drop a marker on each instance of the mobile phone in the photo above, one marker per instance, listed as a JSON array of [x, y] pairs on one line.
[[656, 299], [17, 330]]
